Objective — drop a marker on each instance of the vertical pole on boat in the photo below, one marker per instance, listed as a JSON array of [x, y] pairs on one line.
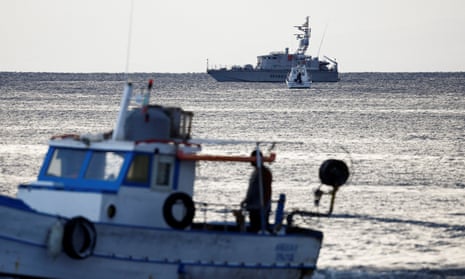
[[118, 132], [333, 199], [258, 159], [279, 212], [129, 39]]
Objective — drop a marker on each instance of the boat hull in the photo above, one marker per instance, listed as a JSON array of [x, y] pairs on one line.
[[268, 75], [295, 85], [27, 249]]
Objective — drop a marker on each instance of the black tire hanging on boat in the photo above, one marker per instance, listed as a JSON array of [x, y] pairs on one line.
[[79, 238], [189, 207]]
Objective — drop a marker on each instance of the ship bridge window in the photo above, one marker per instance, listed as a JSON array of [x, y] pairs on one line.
[[163, 172], [139, 170], [66, 163], [105, 165]]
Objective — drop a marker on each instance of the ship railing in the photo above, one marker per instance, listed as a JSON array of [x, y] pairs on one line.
[[247, 67], [208, 212], [219, 67], [233, 217]]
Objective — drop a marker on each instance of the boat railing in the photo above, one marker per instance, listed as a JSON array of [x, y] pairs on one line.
[[237, 68], [233, 217], [207, 212]]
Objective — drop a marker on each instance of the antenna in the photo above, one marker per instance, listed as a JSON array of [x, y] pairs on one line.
[[129, 40], [321, 43]]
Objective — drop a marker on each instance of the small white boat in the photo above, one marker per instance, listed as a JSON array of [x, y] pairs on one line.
[[298, 77], [121, 205]]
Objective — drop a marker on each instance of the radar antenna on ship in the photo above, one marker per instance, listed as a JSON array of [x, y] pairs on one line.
[[304, 38]]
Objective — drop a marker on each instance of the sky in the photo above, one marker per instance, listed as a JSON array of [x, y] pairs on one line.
[[181, 36]]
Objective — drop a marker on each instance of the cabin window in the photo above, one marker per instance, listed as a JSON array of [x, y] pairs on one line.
[[163, 174], [139, 170], [66, 163], [163, 171], [105, 165]]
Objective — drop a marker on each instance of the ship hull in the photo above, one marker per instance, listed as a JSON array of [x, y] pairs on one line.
[[267, 75], [28, 249]]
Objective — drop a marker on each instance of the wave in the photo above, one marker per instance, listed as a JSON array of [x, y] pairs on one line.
[[400, 221], [376, 273]]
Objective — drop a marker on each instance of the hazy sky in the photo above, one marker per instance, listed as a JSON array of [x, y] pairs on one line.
[[179, 35]]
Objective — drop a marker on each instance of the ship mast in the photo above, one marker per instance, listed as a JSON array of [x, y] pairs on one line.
[[304, 38]]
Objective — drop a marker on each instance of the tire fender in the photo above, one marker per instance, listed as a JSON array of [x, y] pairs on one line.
[[79, 238], [188, 206]]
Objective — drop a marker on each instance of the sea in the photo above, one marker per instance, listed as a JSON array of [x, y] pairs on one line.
[[401, 213]]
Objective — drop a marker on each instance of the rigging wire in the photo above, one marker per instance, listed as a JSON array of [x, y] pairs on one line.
[[321, 43], [129, 40]]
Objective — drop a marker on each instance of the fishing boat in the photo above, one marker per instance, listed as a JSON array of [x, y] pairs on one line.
[[121, 204], [275, 66], [298, 78]]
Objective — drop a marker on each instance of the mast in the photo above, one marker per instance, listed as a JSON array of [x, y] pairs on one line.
[[118, 132], [304, 38]]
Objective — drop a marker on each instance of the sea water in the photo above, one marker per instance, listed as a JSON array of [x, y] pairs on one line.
[[402, 214]]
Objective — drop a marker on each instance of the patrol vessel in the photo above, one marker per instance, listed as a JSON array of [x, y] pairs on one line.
[[275, 66]]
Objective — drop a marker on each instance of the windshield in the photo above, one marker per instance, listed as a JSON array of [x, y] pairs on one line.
[[72, 163], [66, 163], [104, 166]]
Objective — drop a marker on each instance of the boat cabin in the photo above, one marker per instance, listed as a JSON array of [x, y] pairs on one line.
[[118, 181]]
